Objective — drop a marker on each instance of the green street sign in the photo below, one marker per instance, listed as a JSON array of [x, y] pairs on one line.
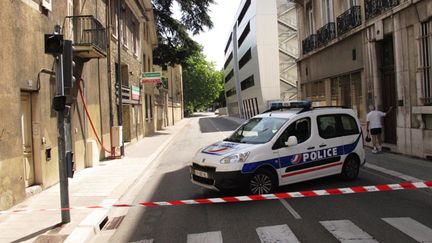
[[151, 77]]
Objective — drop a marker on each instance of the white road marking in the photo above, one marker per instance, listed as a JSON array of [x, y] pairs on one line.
[[346, 231], [277, 233], [290, 209], [412, 228], [392, 173], [143, 241], [208, 237]]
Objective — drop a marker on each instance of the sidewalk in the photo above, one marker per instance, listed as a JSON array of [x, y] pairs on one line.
[[102, 184]]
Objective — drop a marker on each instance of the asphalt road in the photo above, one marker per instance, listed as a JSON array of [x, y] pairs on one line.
[[396, 216]]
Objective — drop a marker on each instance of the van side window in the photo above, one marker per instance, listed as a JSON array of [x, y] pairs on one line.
[[349, 125], [300, 128], [336, 125], [327, 126]]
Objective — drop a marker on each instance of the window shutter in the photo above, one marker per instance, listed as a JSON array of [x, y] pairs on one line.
[[47, 4]]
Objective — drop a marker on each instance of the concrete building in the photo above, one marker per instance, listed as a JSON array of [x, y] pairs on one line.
[[361, 52], [28, 127], [260, 56]]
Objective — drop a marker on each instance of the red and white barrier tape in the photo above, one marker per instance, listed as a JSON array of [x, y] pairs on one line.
[[314, 193]]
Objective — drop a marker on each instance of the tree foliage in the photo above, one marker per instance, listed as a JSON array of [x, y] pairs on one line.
[[201, 81], [175, 44]]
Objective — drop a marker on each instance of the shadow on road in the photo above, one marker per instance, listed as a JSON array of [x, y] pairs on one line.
[[176, 185], [216, 124]]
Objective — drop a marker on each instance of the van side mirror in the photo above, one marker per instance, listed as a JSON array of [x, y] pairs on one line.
[[292, 141]]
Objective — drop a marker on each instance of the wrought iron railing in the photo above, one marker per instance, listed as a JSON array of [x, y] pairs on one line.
[[376, 7], [349, 20], [326, 33], [309, 44], [87, 30]]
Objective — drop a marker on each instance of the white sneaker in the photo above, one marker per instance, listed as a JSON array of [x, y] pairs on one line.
[[374, 151]]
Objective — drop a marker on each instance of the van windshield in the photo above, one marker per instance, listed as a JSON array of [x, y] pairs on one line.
[[257, 130]]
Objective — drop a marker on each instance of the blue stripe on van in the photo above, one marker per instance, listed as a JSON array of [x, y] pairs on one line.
[[287, 161]]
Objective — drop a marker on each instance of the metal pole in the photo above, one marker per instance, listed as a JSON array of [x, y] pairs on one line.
[[64, 191], [119, 81]]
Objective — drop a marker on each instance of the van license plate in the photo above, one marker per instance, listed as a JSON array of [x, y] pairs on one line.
[[201, 173]]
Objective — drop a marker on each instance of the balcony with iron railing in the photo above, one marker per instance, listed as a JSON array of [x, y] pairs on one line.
[[374, 8], [89, 36], [326, 33], [349, 20], [309, 44]]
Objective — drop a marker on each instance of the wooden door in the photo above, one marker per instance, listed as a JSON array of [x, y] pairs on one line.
[[388, 90]]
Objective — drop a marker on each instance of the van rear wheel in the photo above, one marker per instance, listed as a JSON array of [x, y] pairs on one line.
[[262, 182], [351, 168]]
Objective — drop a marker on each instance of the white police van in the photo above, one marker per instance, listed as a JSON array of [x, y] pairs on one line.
[[283, 146]]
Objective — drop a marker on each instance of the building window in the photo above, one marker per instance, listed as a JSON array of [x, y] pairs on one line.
[[351, 3], [247, 83], [310, 18], [243, 11], [228, 43], [231, 92], [229, 76], [244, 34], [228, 60], [327, 11], [426, 39], [114, 22], [245, 58]]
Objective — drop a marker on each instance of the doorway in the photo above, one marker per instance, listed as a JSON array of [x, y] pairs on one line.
[[388, 89], [27, 141]]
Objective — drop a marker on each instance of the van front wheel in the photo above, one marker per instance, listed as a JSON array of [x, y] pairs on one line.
[[262, 182], [351, 168]]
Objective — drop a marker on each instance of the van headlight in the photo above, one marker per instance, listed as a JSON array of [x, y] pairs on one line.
[[235, 158]]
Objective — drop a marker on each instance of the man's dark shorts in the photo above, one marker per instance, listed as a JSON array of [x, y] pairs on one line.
[[375, 131]]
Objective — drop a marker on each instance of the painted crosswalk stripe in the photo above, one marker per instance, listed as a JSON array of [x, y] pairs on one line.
[[346, 231], [277, 233], [208, 237], [412, 228]]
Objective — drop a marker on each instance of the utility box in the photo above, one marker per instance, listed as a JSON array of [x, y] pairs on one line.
[[117, 136], [92, 153]]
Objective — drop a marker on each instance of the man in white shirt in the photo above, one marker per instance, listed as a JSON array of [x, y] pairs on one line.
[[374, 126]]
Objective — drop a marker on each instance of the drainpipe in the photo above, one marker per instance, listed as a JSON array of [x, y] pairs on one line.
[[118, 80], [237, 71]]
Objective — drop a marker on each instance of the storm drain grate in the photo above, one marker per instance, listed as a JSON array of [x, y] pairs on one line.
[[114, 223]]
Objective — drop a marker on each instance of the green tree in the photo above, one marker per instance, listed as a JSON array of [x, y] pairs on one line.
[[202, 83], [175, 44]]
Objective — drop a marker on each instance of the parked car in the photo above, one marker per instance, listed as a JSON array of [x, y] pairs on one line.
[[283, 146]]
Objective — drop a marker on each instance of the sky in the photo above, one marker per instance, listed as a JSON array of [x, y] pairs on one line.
[[214, 40]]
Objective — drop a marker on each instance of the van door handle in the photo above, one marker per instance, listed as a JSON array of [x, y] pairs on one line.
[[323, 145], [310, 148]]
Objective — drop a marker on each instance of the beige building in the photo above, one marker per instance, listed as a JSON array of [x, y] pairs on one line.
[[360, 52], [28, 123]]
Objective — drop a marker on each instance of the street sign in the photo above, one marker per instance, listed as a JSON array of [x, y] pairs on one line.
[[135, 93], [151, 77]]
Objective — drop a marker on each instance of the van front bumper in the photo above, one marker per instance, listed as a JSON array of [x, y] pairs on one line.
[[217, 180]]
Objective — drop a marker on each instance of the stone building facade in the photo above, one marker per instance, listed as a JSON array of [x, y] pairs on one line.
[[28, 134], [358, 53]]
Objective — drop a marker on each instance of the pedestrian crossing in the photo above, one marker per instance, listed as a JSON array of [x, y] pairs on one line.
[[344, 231]]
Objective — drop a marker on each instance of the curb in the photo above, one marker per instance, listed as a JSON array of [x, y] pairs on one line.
[[95, 221]]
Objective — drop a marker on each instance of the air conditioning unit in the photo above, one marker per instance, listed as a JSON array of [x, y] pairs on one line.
[[47, 4]]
